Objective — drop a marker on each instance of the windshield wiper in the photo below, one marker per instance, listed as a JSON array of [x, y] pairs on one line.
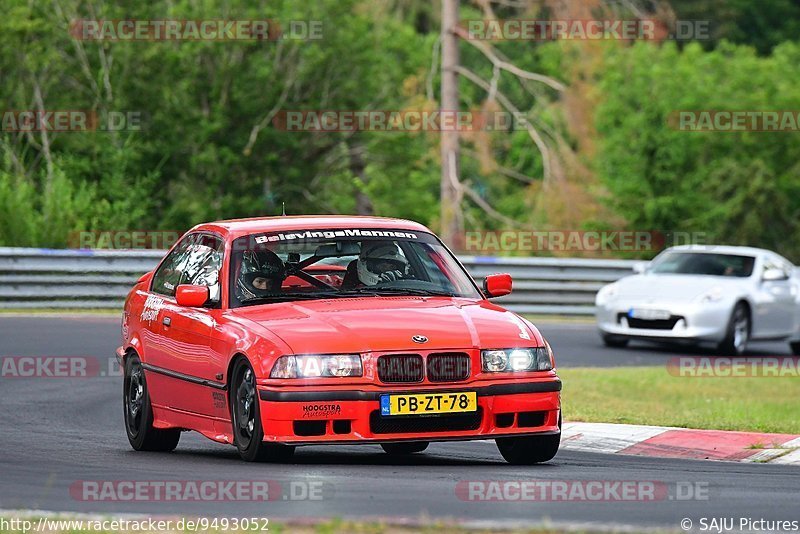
[[398, 291], [283, 297]]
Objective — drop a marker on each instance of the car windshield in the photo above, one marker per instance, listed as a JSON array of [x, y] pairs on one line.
[[314, 264], [704, 263]]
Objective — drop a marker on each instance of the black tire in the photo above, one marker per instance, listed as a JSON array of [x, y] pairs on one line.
[[529, 450], [248, 435], [402, 449], [738, 332], [614, 341], [795, 346], [138, 413]]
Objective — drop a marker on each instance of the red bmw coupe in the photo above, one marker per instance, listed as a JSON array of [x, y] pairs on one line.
[[271, 333]]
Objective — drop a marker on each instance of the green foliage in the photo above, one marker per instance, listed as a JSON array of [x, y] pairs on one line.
[[208, 149], [760, 24], [738, 187]]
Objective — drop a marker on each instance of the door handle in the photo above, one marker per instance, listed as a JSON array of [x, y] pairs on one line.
[[167, 321]]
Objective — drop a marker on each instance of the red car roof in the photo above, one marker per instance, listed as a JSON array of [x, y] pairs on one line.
[[238, 227]]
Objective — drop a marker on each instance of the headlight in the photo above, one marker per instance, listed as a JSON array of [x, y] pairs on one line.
[[605, 294], [317, 366], [494, 360], [510, 360]]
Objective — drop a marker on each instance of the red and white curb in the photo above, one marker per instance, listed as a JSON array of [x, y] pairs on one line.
[[667, 442]]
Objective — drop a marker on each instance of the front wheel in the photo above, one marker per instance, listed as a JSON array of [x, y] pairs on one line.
[[248, 435], [795, 346], [529, 450], [738, 332], [138, 412], [614, 341], [402, 449]]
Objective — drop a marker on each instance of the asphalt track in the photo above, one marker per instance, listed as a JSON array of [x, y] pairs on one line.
[[56, 432]]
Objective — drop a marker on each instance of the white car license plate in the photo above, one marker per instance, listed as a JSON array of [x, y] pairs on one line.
[[648, 315]]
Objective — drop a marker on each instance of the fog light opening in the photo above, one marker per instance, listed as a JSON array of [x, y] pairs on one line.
[[504, 420], [341, 426]]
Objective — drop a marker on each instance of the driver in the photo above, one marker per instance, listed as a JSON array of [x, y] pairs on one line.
[[261, 274], [381, 261]]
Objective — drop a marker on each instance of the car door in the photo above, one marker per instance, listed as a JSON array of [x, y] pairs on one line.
[[160, 295], [775, 300], [188, 348]]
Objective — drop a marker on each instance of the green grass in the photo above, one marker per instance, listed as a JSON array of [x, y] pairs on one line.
[[652, 396]]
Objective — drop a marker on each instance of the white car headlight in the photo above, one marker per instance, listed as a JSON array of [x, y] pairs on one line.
[[511, 360], [606, 293], [317, 366]]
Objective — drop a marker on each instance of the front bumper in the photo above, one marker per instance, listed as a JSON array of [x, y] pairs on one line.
[[693, 322], [299, 416]]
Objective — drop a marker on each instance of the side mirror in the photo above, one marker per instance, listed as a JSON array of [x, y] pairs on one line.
[[774, 275], [497, 285], [191, 296], [640, 267]]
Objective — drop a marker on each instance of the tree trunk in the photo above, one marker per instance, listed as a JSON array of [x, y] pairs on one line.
[[452, 220]]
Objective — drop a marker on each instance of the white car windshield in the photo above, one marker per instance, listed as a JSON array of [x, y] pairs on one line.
[[314, 264], [704, 263]]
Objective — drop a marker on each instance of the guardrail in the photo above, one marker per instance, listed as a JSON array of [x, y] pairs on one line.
[[46, 278]]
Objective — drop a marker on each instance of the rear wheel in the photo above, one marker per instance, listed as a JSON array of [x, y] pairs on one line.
[[401, 449], [795, 346], [138, 412], [248, 435], [738, 333], [529, 450], [614, 341]]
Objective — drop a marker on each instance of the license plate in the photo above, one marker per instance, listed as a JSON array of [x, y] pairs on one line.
[[429, 403], [649, 315]]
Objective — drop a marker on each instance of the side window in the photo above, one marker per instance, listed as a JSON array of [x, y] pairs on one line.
[[168, 275], [204, 260], [774, 262]]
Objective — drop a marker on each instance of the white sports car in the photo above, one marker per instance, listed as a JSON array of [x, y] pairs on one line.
[[725, 296]]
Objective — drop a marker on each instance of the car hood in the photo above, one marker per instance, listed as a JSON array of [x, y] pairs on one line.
[[673, 287], [389, 323]]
